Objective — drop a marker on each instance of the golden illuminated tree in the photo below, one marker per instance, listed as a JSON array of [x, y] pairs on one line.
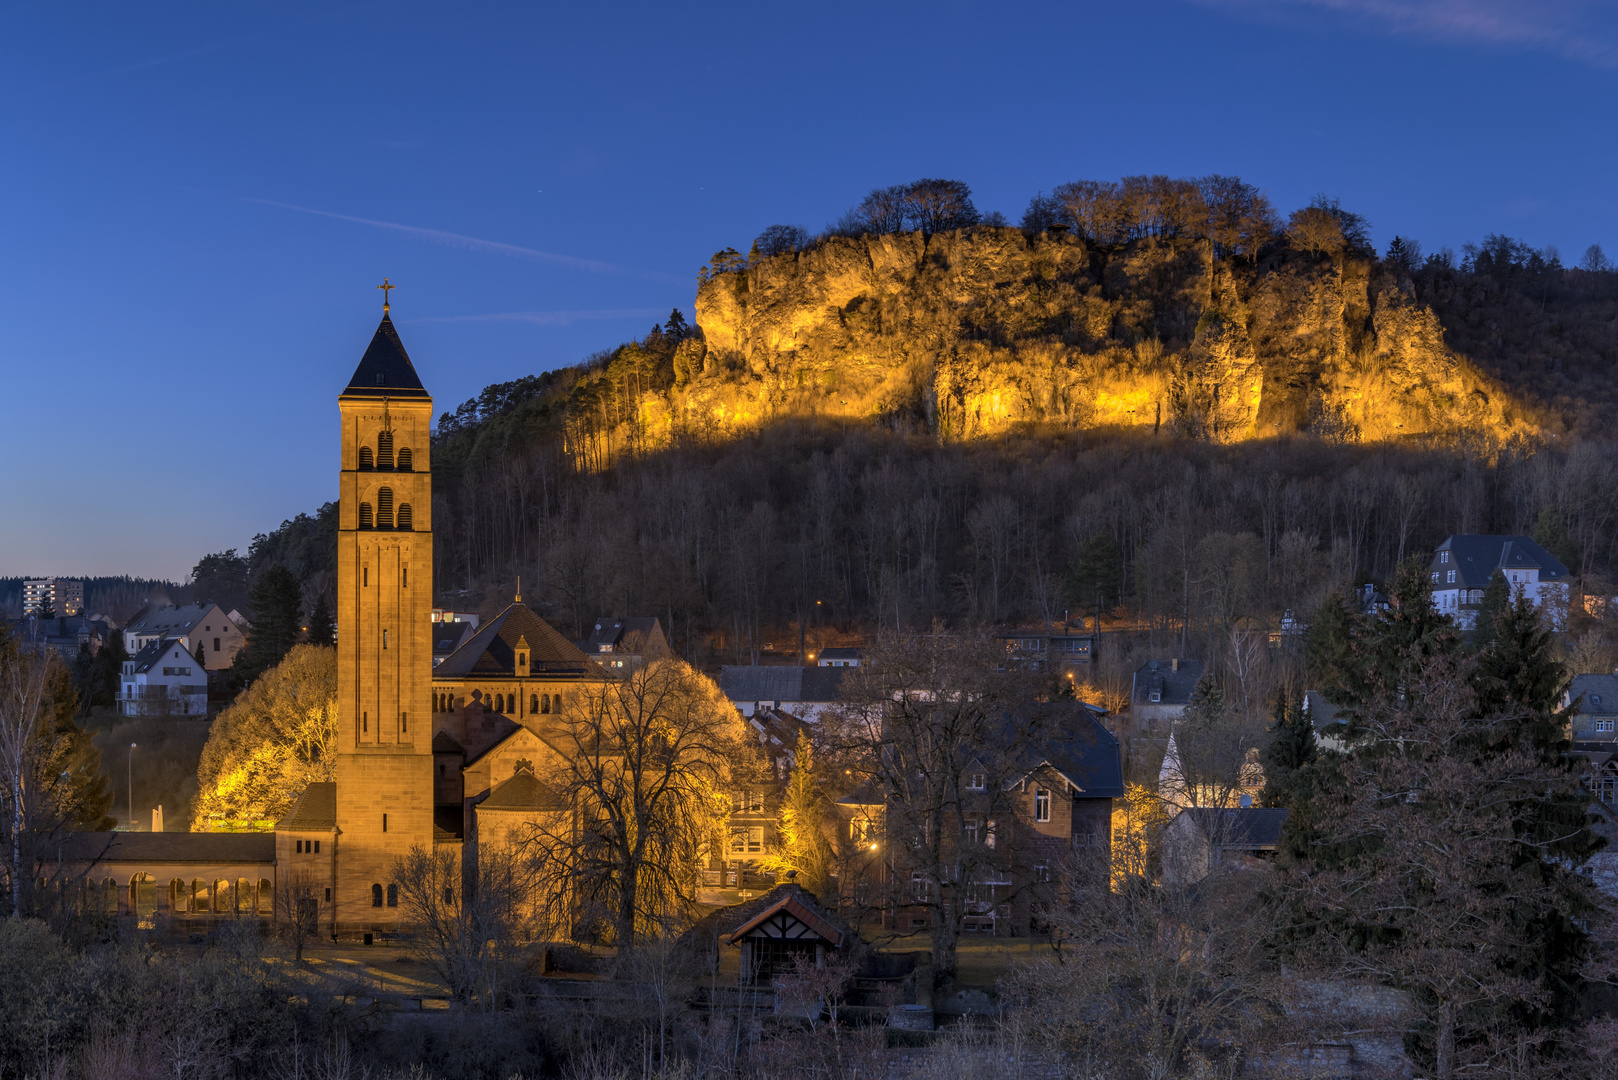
[[643, 761], [806, 813], [275, 740]]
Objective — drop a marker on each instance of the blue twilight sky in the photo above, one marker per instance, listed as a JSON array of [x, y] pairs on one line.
[[198, 200]]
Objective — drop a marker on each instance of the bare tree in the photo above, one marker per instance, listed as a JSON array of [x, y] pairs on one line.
[[24, 684], [940, 732], [644, 760], [297, 910], [467, 939]]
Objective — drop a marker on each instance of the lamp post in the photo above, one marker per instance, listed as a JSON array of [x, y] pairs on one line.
[[131, 778]]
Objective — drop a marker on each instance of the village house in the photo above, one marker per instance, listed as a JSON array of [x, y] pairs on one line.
[[203, 630], [65, 635], [1462, 565], [805, 692], [163, 679], [1042, 650], [1161, 690], [624, 645], [839, 656], [1201, 839]]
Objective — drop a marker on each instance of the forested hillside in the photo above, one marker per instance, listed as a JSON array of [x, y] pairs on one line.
[[1185, 410]]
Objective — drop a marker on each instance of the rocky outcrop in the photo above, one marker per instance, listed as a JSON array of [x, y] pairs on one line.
[[981, 331]]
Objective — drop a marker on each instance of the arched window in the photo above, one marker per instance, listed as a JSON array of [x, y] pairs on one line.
[[384, 450], [533, 703], [404, 516], [449, 896], [556, 702], [179, 897], [376, 896], [405, 458], [499, 703], [266, 897], [545, 704], [384, 508], [393, 896], [366, 460], [199, 896], [366, 521]]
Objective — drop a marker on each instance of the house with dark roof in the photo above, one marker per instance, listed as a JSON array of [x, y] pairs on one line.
[[1593, 716], [206, 632], [1161, 689], [1042, 650], [1201, 839], [805, 692], [64, 635], [1022, 818], [1462, 565], [840, 656], [163, 679], [623, 645]]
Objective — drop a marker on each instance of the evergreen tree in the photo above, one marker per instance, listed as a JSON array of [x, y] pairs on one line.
[[804, 812], [72, 764], [1328, 645], [1097, 571], [322, 627], [1550, 534], [46, 608], [1289, 753], [277, 603], [1496, 599]]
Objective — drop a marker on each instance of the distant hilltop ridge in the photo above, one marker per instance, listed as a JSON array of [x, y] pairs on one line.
[[980, 330]]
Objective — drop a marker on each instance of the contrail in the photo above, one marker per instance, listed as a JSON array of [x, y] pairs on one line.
[[494, 247], [546, 318]]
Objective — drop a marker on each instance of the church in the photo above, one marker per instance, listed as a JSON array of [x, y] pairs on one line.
[[426, 757]]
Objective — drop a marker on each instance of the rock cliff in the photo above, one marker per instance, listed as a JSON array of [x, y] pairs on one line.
[[979, 331]]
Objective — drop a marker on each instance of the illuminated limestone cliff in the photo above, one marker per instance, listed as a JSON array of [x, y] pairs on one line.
[[979, 331]]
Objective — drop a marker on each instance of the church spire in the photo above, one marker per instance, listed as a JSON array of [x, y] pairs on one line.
[[386, 288], [385, 370]]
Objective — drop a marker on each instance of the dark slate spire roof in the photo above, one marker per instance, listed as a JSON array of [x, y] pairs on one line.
[[385, 370], [493, 649]]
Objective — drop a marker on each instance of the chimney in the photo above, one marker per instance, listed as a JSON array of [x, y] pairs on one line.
[[1174, 665]]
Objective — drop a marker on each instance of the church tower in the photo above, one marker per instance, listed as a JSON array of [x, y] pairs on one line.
[[384, 767]]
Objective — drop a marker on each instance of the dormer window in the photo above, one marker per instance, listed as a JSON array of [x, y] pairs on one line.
[[1156, 695], [1595, 699]]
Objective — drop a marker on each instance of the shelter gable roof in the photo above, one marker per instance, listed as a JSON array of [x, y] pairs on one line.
[[1476, 556], [493, 649]]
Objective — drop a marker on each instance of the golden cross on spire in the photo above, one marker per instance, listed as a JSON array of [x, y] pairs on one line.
[[386, 288]]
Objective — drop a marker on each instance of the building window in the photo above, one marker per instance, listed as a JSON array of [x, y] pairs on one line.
[[1443, 556], [317, 847], [365, 576], [384, 823], [404, 721], [404, 517], [500, 703], [384, 508], [328, 895], [545, 703], [366, 460], [299, 848], [367, 521], [533, 703], [1042, 804], [1435, 577], [1603, 725], [1450, 579], [859, 829], [384, 450], [365, 721], [556, 702], [738, 841], [969, 830], [393, 896], [755, 839], [405, 460], [376, 896], [977, 782], [921, 890], [1042, 872], [404, 575]]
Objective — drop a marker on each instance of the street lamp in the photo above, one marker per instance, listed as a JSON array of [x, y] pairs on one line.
[[131, 778]]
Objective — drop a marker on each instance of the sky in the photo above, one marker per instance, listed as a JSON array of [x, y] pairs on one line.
[[197, 201]]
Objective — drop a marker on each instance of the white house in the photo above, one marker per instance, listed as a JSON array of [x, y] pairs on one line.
[[163, 679], [203, 627], [1463, 564], [805, 692]]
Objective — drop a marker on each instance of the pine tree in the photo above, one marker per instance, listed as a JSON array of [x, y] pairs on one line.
[[1496, 600], [804, 846], [1289, 753], [277, 604], [322, 627], [1550, 534], [1328, 645], [1097, 571], [72, 763]]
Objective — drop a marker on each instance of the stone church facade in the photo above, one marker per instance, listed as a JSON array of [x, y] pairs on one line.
[[425, 755]]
